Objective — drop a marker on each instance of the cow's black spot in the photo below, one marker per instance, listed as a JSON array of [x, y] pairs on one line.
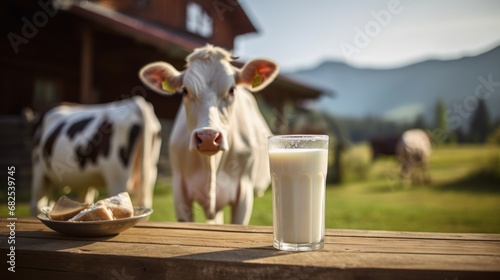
[[37, 137], [48, 147], [125, 151], [78, 127], [98, 145]]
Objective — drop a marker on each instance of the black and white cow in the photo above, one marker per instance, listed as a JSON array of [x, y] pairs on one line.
[[116, 145]]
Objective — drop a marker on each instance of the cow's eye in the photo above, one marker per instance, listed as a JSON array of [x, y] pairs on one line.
[[184, 91], [230, 92]]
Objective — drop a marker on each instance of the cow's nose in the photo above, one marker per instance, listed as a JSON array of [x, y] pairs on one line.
[[208, 141]]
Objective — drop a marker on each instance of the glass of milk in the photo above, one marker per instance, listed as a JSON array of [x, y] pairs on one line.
[[298, 165]]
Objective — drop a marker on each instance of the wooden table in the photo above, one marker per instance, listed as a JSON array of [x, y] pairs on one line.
[[161, 250]]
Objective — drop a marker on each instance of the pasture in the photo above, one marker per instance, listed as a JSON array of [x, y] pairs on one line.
[[464, 195]]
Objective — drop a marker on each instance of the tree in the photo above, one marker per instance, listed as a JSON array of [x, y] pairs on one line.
[[480, 125], [496, 124], [459, 135], [494, 137], [420, 122], [440, 117]]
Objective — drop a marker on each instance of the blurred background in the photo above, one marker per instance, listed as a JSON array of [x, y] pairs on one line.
[[354, 70]]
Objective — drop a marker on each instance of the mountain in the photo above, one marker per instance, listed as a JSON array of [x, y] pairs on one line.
[[402, 94]]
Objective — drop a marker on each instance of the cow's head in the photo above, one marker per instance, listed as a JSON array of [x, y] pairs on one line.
[[210, 86]]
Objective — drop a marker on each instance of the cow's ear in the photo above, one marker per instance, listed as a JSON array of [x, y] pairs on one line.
[[257, 74], [161, 77]]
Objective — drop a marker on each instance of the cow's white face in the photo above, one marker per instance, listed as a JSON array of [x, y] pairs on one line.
[[209, 85], [208, 89]]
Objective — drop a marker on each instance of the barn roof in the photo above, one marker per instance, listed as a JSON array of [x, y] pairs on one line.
[[130, 26]]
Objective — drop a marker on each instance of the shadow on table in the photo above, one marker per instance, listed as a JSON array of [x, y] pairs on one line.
[[55, 240], [238, 255], [228, 263]]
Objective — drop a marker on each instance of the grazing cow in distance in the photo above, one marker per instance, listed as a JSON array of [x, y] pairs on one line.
[[411, 148], [413, 151], [384, 145], [218, 144], [116, 145]]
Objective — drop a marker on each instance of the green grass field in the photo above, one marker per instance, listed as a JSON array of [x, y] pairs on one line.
[[464, 195]]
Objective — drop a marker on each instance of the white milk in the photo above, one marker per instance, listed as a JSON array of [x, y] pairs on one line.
[[298, 183]]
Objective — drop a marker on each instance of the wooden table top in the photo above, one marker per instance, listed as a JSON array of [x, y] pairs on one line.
[[164, 250]]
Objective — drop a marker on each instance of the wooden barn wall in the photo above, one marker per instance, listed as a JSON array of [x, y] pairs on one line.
[[15, 150], [52, 53], [172, 14]]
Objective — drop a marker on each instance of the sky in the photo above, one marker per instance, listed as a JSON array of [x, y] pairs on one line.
[[368, 33]]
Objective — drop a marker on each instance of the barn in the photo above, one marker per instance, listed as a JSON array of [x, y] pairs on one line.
[[88, 52]]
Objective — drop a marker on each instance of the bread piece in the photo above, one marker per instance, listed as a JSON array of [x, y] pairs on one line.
[[120, 205], [94, 213], [65, 208]]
